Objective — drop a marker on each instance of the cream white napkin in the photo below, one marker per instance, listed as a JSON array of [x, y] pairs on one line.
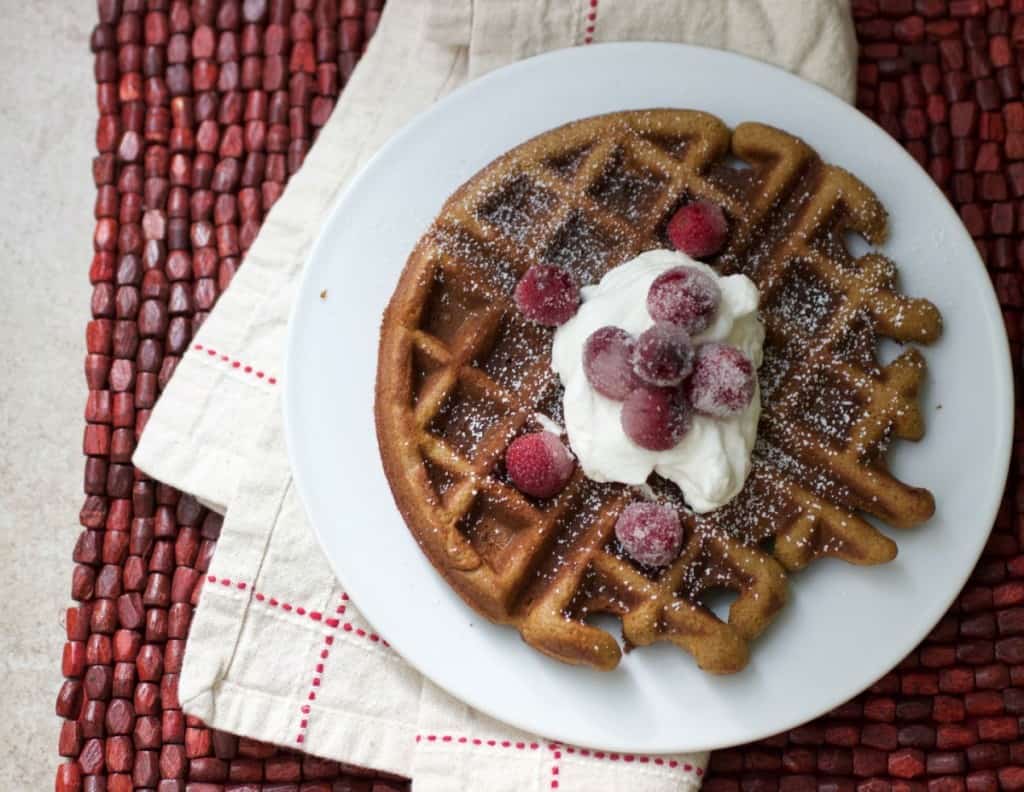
[[277, 652]]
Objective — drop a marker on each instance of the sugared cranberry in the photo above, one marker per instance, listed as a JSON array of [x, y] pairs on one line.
[[607, 362], [698, 229], [650, 533], [684, 296], [655, 418], [539, 464], [663, 355], [547, 294], [722, 383]]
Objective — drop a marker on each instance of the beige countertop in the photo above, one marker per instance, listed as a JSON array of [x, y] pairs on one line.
[[47, 128]]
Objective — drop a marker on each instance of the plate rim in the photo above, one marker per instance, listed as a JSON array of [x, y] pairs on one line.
[[1003, 390]]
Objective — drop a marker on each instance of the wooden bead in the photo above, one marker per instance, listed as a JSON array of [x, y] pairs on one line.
[[146, 734], [69, 699]]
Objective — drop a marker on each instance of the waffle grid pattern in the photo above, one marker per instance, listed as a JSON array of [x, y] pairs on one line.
[[204, 110], [544, 566]]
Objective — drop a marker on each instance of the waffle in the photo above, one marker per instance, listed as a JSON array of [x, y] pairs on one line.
[[461, 374]]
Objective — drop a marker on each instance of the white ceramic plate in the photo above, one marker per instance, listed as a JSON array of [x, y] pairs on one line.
[[845, 626]]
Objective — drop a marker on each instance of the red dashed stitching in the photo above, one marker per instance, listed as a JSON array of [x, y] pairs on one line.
[[333, 623], [588, 38], [519, 746], [236, 364], [316, 616], [556, 753], [318, 671]]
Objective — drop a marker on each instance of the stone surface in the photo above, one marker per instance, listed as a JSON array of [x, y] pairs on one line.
[[47, 131]]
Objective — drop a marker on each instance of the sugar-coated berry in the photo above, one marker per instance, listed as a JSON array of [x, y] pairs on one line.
[[663, 355], [698, 229], [539, 464], [722, 383], [650, 533], [684, 296], [607, 362], [655, 418], [547, 294]]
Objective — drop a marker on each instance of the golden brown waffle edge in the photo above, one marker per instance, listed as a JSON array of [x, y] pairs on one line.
[[460, 374]]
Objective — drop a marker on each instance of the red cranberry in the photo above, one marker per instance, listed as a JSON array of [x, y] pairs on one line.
[[684, 296], [698, 229], [539, 464], [663, 355], [607, 362], [655, 418], [650, 533], [547, 294], [722, 383]]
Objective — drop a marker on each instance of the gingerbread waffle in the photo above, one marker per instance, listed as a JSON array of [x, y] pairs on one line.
[[461, 374]]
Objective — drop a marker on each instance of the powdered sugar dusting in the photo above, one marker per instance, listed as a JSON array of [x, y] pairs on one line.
[[822, 308]]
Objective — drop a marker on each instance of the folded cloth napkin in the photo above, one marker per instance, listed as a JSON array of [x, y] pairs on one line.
[[277, 652]]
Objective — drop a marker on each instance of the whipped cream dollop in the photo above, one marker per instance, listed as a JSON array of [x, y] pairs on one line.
[[710, 464]]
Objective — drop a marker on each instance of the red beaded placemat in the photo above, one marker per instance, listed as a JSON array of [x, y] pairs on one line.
[[206, 108]]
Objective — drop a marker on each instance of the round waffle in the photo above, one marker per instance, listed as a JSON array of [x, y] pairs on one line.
[[461, 374]]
